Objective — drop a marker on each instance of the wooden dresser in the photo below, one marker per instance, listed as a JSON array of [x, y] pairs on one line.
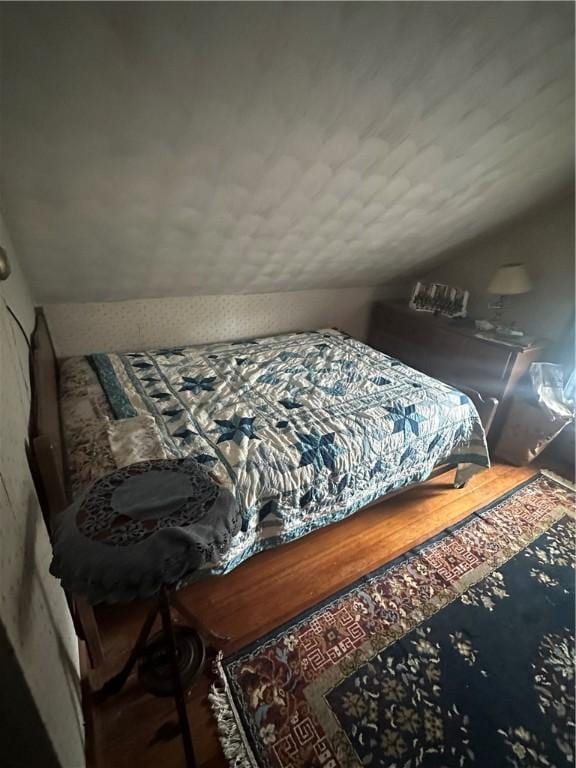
[[451, 351]]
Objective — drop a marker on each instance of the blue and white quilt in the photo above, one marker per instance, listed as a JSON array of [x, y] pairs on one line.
[[304, 428]]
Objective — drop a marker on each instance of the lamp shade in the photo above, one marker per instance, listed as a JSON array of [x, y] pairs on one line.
[[510, 279]]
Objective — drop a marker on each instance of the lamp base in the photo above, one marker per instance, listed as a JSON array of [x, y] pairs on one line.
[[497, 308]]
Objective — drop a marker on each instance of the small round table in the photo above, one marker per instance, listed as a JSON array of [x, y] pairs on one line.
[[142, 531]]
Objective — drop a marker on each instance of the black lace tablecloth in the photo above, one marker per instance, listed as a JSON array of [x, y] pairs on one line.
[[150, 524]]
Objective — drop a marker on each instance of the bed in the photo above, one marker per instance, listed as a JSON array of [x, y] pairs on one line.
[[304, 428], [71, 416]]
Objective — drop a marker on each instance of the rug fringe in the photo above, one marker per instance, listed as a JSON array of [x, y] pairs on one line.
[[234, 744]]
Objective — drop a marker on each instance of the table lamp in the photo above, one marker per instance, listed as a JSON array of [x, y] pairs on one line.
[[508, 280]]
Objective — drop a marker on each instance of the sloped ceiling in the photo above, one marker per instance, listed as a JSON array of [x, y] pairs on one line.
[[167, 149]]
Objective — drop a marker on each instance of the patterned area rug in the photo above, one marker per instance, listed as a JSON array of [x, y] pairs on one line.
[[459, 654]]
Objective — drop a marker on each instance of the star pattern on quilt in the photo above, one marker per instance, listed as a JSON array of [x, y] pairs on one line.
[[161, 395], [290, 404], [196, 385], [318, 450], [460, 399], [184, 433], [337, 390], [406, 419], [436, 441], [306, 498], [409, 453], [236, 429], [172, 352], [205, 458], [173, 413], [269, 378]]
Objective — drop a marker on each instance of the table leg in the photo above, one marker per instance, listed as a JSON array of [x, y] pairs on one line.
[[117, 682], [176, 678]]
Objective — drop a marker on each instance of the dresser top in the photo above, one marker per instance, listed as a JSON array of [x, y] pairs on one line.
[[465, 327]]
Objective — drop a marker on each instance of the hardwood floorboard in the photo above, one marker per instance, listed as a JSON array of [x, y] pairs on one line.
[[265, 592]]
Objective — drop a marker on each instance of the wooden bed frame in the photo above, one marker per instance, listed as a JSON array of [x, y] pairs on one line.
[[48, 465], [47, 459]]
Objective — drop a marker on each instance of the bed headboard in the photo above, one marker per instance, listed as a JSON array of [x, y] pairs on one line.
[[46, 439]]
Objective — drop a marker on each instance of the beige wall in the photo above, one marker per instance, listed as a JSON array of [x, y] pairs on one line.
[[123, 325], [38, 648], [544, 242]]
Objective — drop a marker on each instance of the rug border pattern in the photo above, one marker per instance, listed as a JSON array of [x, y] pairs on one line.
[[235, 734]]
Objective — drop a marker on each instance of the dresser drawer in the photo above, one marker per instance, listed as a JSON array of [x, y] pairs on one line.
[[470, 361], [451, 352], [434, 347]]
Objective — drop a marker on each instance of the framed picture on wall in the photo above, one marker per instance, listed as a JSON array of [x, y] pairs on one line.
[[440, 299]]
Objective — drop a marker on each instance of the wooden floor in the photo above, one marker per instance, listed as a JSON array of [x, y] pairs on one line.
[[263, 593]]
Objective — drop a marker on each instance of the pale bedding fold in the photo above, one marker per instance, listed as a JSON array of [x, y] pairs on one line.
[[135, 439]]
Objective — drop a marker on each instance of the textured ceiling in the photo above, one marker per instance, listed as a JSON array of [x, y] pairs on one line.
[[164, 149]]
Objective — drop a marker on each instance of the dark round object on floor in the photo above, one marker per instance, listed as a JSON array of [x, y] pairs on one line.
[[154, 669]]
